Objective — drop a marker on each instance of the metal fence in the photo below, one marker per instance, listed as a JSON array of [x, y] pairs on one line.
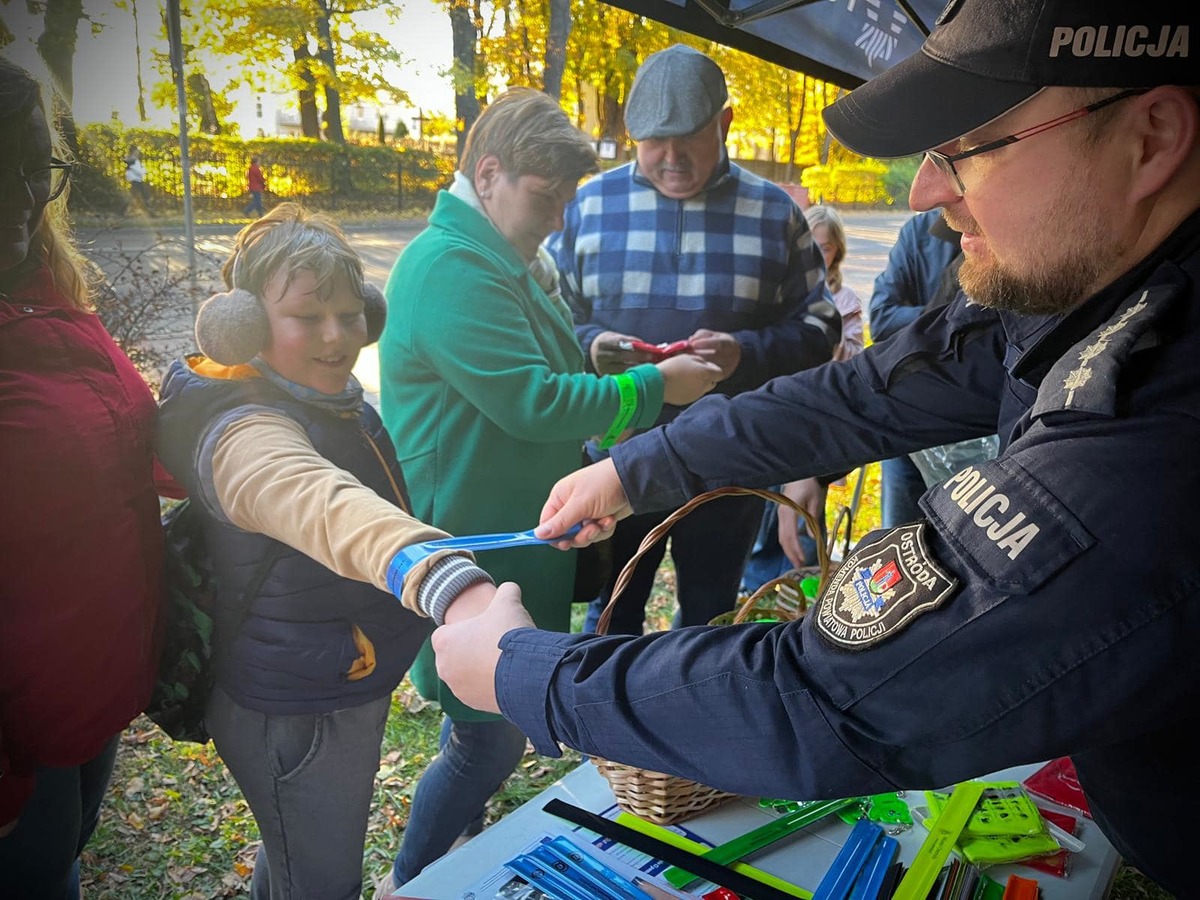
[[317, 174]]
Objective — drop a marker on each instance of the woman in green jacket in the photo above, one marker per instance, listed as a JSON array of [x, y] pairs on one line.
[[485, 396]]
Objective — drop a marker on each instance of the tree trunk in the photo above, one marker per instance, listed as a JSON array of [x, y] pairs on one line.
[[610, 110], [332, 117], [200, 93], [137, 52], [310, 122], [333, 100], [466, 104], [556, 47], [56, 46], [794, 133]]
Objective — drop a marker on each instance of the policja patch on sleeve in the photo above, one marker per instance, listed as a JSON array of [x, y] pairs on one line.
[[880, 588]]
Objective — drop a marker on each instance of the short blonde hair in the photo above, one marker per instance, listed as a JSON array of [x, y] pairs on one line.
[[531, 135], [832, 220], [289, 236]]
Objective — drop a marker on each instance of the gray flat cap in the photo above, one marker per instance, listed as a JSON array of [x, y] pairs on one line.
[[675, 92]]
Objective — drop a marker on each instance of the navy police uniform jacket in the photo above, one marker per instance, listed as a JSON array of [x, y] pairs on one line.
[[1047, 604]]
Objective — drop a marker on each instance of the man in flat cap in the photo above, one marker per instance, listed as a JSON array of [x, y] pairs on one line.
[[684, 244]]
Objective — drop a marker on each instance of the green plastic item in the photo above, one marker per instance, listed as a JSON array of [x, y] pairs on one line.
[[1005, 827], [1000, 849], [988, 889], [810, 586], [888, 809], [1004, 810], [936, 848], [787, 807], [760, 837]]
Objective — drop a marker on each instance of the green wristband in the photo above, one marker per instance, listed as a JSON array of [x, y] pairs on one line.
[[627, 388]]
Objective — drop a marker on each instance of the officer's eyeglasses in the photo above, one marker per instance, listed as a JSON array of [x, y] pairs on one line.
[[945, 163], [44, 184]]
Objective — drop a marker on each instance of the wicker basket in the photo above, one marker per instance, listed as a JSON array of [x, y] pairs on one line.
[[667, 799]]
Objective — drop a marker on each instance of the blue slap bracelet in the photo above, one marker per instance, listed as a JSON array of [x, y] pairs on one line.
[[546, 878], [564, 847], [850, 861], [405, 559], [571, 865], [869, 883]]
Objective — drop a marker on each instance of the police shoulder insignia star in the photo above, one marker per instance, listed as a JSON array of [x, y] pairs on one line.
[[881, 588]]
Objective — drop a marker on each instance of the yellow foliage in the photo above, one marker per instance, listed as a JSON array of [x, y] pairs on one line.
[[844, 184]]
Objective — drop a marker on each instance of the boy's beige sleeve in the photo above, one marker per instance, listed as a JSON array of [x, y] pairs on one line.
[[269, 479]]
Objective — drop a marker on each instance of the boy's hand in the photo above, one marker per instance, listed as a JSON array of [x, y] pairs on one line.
[[470, 602]]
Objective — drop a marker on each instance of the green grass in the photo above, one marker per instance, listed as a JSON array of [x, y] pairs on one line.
[[175, 826]]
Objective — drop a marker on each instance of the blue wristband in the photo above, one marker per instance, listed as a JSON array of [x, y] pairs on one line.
[[408, 557], [402, 563]]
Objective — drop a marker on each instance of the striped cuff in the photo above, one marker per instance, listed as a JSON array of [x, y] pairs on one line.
[[447, 578]]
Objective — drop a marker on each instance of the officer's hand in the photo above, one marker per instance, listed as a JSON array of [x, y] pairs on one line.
[[810, 494], [687, 378], [592, 495], [718, 347], [609, 359], [468, 651]]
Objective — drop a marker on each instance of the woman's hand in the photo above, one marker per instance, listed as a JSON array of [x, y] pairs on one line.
[[687, 378], [609, 358]]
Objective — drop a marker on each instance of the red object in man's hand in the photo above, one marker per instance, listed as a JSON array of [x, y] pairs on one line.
[[658, 351]]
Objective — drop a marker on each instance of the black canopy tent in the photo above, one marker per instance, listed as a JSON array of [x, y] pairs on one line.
[[845, 42]]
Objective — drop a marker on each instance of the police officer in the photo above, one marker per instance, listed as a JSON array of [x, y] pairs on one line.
[[1048, 600]]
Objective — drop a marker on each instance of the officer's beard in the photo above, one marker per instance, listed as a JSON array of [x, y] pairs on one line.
[[1043, 292], [1076, 267]]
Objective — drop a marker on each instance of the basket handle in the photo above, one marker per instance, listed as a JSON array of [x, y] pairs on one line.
[[659, 531]]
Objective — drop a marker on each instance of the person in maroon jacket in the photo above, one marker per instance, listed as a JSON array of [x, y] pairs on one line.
[[256, 183], [81, 544]]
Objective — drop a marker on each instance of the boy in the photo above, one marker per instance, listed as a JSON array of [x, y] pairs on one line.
[[268, 430]]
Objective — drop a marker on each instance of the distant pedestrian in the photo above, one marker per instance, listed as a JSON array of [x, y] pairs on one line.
[[135, 174], [256, 183]]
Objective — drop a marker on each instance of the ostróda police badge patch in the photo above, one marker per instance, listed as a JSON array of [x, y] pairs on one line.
[[880, 588]]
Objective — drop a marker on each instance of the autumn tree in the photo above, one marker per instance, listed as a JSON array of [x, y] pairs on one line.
[[56, 46], [606, 47], [315, 48]]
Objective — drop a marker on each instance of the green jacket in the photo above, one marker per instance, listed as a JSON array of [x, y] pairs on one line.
[[484, 395]]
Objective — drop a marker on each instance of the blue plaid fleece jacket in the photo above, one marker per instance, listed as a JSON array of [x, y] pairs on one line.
[[738, 258]]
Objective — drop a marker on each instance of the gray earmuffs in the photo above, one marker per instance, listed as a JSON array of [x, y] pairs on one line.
[[232, 327]]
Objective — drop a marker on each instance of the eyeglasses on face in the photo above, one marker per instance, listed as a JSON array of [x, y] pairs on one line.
[[44, 184], [945, 163]]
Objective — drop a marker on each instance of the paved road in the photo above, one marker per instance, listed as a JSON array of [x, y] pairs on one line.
[[138, 257]]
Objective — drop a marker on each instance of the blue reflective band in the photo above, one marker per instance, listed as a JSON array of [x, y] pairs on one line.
[[406, 558]]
